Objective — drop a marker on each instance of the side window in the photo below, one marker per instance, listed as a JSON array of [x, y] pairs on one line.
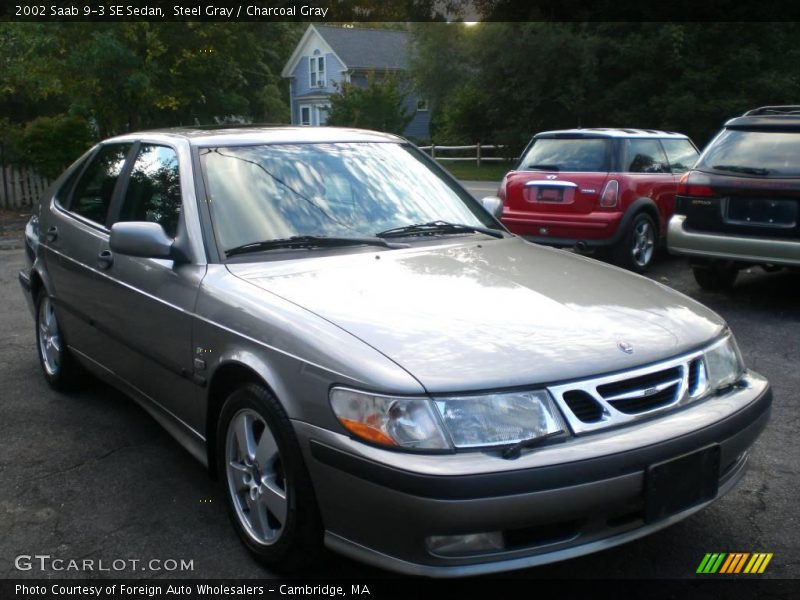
[[646, 156], [62, 195], [154, 189], [92, 195], [681, 154]]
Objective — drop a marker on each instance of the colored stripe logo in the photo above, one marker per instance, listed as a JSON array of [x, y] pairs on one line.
[[734, 563]]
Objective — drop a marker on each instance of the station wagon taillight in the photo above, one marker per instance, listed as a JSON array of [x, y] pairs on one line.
[[610, 196], [693, 183]]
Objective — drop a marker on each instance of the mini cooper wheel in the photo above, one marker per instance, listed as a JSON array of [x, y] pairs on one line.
[[269, 494], [60, 368], [638, 245]]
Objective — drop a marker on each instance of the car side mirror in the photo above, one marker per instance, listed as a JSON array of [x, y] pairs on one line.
[[493, 205], [143, 239]]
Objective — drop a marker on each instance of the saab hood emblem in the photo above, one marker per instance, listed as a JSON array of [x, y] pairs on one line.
[[625, 347], [552, 176]]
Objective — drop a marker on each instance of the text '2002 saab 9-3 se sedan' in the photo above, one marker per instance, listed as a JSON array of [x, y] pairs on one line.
[[369, 361]]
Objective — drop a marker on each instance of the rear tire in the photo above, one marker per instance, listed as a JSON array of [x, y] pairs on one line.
[[61, 370], [270, 498], [715, 278], [637, 248]]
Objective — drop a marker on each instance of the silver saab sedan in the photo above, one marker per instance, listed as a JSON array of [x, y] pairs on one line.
[[368, 361]]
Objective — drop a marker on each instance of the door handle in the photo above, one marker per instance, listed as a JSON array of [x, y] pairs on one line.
[[105, 259], [52, 234]]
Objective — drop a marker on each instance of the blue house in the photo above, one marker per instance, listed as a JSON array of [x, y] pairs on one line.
[[329, 55]]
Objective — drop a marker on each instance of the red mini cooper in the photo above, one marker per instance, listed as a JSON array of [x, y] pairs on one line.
[[594, 189]]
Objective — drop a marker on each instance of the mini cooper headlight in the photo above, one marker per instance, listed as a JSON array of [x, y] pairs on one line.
[[724, 364]]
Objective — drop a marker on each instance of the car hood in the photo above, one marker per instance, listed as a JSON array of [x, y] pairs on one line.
[[471, 315]]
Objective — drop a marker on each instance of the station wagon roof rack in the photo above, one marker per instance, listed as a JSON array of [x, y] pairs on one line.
[[765, 111]]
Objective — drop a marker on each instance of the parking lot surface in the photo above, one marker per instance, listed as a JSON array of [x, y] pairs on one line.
[[92, 476]]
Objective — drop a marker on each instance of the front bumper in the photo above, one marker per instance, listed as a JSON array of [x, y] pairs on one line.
[[555, 502], [681, 240]]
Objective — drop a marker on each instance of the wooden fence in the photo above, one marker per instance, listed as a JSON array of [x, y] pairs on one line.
[[443, 153], [20, 187]]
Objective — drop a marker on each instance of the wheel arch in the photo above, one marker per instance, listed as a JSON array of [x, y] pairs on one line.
[[225, 379], [647, 206]]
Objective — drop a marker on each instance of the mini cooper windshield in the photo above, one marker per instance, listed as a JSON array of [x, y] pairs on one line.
[[263, 195]]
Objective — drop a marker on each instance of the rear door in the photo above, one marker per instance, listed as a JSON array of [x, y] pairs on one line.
[[76, 226]]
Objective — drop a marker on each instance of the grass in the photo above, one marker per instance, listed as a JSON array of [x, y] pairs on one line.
[[491, 171]]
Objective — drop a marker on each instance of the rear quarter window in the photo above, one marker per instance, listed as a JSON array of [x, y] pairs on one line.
[[681, 154]]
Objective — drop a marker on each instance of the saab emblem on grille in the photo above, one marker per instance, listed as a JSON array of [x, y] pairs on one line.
[[625, 347], [552, 176], [650, 391]]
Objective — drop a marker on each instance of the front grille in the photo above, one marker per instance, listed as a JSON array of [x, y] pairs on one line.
[[696, 372], [583, 406], [611, 400], [632, 406], [627, 386]]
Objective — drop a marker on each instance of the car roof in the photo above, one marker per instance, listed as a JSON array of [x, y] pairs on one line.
[[271, 134], [610, 132], [777, 122]]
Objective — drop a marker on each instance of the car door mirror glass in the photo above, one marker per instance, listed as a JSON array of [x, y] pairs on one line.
[[141, 238]]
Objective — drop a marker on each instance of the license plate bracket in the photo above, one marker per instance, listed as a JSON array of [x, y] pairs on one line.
[[680, 483], [762, 212]]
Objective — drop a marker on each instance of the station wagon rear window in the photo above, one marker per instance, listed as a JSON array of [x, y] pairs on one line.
[[754, 153], [568, 154]]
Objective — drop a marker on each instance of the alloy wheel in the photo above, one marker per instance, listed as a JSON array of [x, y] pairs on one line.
[[50, 343], [256, 481], [644, 241]]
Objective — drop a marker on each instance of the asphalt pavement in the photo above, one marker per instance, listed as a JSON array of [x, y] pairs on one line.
[[91, 476]]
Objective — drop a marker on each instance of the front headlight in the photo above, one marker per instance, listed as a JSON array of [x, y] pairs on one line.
[[499, 419], [724, 365], [389, 421], [444, 423]]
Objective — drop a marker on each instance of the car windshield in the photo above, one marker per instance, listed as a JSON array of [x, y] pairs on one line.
[[762, 153], [567, 154], [279, 191]]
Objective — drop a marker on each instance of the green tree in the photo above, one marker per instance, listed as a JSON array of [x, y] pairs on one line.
[[380, 105]]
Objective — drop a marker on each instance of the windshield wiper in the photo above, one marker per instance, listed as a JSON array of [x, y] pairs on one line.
[[310, 241], [741, 169], [543, 167], [515, 450], [434, 227]]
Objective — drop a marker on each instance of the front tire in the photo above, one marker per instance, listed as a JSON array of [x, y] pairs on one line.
[[269, 494], [637, 247], [60, 368]]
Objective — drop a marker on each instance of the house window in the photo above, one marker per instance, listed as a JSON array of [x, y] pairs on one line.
[[317, 71], [422, 105], [305, 115]]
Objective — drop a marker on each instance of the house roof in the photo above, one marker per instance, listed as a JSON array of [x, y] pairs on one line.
[[361, 48], [357, 47]]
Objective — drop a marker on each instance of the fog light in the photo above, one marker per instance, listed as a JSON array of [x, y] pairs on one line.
[[471, 543]]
